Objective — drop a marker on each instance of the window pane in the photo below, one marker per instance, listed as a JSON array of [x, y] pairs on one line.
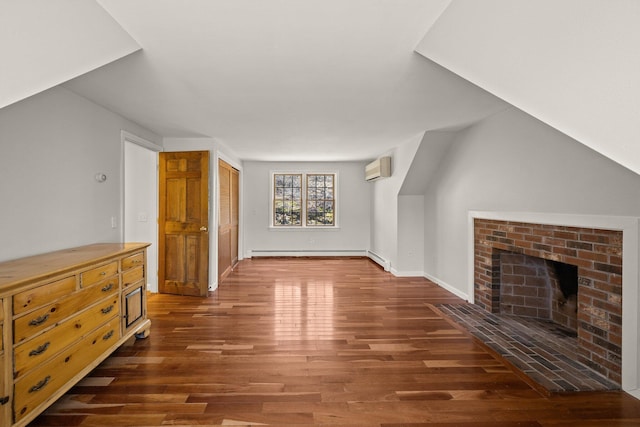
[[279, 180], [288, 179], [329, 218], [295, 218], [328, 194], [295, 181], [328, 179], [279, 193], [328, 206], [320, 180]]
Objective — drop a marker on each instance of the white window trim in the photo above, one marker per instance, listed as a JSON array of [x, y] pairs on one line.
[[304, 226]]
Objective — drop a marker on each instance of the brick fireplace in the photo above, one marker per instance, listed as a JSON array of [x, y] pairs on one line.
[[597, 254]]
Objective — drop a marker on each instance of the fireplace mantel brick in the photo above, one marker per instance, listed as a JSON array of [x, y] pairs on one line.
[[598, 255]]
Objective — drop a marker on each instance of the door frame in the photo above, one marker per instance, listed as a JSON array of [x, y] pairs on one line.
[[216, 150], [127, 137]]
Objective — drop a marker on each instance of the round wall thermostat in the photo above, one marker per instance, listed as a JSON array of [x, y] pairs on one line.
[[100, 177]]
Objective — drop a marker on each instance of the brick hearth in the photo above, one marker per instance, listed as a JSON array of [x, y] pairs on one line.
[[598, 255]]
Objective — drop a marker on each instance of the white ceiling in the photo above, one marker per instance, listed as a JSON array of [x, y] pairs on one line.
[[284, 79]]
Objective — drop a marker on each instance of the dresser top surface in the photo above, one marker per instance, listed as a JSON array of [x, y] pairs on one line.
[[40, 267]]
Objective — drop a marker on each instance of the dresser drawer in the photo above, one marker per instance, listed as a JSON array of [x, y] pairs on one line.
[[97, 274], [37, 351], [132, 276], [29, 325], [35, 387], [132, 261], [42, 295]]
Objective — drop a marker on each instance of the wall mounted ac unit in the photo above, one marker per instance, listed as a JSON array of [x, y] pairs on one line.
[[379, 168]]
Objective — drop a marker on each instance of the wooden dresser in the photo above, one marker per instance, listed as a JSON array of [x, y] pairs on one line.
[[61, 314]]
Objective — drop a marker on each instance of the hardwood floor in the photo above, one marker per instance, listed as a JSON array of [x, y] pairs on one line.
[[317, 342]]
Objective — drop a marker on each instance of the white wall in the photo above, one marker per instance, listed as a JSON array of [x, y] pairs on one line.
[[384, 202], [352, 208], [411, 236], [51, 147], [513, 162]]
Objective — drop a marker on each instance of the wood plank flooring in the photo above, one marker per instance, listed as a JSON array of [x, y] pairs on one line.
[[330, 342]]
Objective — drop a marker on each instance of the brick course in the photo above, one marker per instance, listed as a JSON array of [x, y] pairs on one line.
[[598, 255]]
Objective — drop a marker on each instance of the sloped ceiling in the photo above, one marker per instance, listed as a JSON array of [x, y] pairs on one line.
[[44, 43], [574, 64], [284, 79]]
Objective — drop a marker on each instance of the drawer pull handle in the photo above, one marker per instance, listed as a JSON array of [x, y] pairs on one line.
[[108, 335], [103, 273], [108, 287], [40, 385], [4, 400], [39, 320], [38, 351], [107, 310]]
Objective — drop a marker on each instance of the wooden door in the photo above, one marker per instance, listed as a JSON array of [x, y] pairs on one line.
[[227, 219], [183, 244]]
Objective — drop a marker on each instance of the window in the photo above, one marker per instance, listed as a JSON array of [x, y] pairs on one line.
[[287, 199], [304, 200], [320, 201]]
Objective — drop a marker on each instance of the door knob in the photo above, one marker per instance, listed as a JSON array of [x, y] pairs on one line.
[[203, 228]]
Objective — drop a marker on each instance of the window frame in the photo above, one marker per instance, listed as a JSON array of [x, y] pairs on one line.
[[304, 201]]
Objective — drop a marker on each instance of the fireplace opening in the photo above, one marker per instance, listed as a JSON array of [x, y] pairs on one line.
[[546, 291], [567, 275]]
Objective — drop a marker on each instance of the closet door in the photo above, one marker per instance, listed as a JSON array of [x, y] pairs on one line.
[[228, 178]]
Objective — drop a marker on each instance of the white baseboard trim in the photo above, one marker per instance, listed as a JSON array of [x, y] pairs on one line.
[[407, 273], [256, 253], [444, 285], [635, 393]]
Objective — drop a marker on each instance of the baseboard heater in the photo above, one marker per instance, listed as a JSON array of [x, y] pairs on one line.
[[379, 260], [309, 253]]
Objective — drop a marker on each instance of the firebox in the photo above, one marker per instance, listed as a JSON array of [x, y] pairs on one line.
[[539, 289]]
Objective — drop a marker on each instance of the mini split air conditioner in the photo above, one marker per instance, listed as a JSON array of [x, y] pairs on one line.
[[379, 168]]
